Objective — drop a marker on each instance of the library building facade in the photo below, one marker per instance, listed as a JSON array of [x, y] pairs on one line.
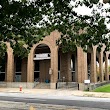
[[48, 67]]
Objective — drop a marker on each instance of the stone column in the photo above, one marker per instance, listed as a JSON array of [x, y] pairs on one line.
[[6, 69], [106, 68], [65, 66], [10, 64], [30, 71], [101, 66], [76, 79], [81, 68], [24, 70], [81, 65], [93, 66], [54, 68], [30, 68]]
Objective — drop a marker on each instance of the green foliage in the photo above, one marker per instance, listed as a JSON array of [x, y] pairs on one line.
[[3, 49], [105, 88], [20, 50], [81, 30], [18, 22], [30, 21]]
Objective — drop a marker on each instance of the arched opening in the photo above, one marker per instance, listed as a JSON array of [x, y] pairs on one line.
[[73, 67], [92, 64], [100, 65], [67, 66], [104, 65], [97, 68], [3, 68], [89, 65], [42, 59], [17, 63], [109, 65], [20, 69]]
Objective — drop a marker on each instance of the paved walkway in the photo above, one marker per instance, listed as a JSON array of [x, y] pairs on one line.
[[58, 92]]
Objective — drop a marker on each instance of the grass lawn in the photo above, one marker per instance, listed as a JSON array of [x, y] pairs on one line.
[[105, 88]]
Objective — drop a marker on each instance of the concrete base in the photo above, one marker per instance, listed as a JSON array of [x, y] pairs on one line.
[[18, 84], [82, 86], [53, 85], [92, 86], [67, 85], [3, 84], [98, 84]]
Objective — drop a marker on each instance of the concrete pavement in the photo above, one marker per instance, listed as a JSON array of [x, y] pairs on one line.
[[58, 92], [44, 95]]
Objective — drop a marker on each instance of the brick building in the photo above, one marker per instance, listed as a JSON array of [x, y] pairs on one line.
[[47, 64]]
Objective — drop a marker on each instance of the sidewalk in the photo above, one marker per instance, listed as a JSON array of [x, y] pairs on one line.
[[58, 92]]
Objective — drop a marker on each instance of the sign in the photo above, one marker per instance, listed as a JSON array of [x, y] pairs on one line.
[[42, 56], [87, 81], [50, 71]]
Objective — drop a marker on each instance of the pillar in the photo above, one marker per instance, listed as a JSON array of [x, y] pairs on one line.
[[93, 66], [101, 66], [30, 71], [81, 68], [24, 70], [54, 68], [30, 68], [10, 64], [106, 68], [81, 65], [65, 67]]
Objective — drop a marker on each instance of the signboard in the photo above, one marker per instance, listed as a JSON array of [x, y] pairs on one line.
[[50, 71], [42, 56], [87, 81]]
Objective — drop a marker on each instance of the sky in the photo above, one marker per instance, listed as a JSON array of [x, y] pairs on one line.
[[87, 11]]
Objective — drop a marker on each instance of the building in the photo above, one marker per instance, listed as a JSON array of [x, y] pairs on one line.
[[47, 64]]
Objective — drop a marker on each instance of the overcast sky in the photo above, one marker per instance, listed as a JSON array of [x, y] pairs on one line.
[[87, 11]]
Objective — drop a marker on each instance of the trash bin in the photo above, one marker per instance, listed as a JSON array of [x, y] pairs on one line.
[[47, 81]]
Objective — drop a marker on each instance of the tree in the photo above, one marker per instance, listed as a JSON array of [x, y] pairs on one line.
[[27, 22], [18, 24]]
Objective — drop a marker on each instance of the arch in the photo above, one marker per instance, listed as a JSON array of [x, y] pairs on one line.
[[106, 66], [35, 71], [67, 65], [10, 64], [40, 43], [100, 67], [91, 64], [3, 68]]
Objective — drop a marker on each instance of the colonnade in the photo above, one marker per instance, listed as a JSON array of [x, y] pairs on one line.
[[102, 55], [81, 74]]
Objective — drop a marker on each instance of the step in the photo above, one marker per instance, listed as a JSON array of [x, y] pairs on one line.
[[67, 85], [42, 86], [3, 84]]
